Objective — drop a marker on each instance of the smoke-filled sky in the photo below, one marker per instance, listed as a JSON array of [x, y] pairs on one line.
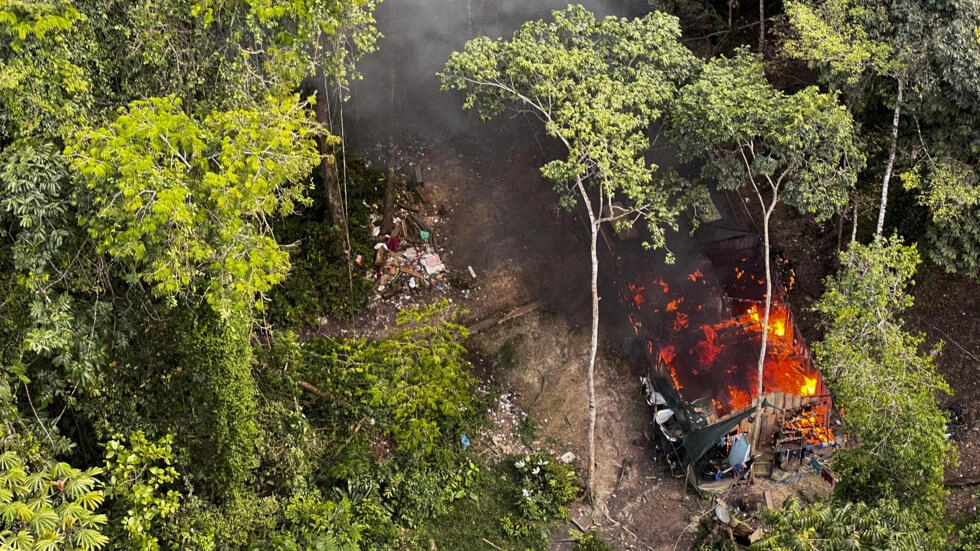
[[419, 36]]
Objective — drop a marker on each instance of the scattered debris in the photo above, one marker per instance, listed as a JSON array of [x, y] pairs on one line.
[[725, 527], [432, 263]]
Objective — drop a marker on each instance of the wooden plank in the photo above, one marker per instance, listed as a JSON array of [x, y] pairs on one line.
[[412, 272], [425, 195]]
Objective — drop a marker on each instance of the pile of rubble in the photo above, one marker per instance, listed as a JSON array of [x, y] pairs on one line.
[[408, 264], [502, 438]]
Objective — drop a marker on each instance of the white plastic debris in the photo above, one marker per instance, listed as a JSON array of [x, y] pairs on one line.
[[432, 263]]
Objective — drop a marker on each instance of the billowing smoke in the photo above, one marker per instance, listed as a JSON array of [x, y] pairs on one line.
[[399, 95]]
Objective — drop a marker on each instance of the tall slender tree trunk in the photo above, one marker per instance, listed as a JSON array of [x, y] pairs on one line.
[[891, 159], [328, 168], [592, 354], [594, 221], [762, 26], [765, 323], [854, 227]]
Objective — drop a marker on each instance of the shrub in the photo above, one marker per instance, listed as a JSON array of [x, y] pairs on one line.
[[547, 486]]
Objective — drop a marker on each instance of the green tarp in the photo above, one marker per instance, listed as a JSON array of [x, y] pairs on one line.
[[697, 443]]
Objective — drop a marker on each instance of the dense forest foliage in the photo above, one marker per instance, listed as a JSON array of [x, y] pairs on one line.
[[168, 219]]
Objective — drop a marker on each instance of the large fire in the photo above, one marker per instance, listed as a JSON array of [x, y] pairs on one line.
[[777, 319], [714, 354], [738, 398]]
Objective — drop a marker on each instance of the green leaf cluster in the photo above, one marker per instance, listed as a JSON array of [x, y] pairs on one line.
[[44, 88], [546, 487], [410, 386], [598, 85], [49, 508], [137, 474], [799, 148], [187, 203], [884, 384], [884, 526]]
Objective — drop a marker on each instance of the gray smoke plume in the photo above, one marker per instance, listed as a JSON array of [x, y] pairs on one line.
[[399, 94]]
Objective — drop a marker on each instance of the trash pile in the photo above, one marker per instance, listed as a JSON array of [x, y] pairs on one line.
[[408, 264]]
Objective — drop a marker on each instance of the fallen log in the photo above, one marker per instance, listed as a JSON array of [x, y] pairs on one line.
[[515, 313]]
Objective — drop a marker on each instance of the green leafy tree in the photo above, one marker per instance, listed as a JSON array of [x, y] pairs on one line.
[[950, 191], [44, 89], [883, 383], [885, 526], [850, 42], [799, 149], [56, 292], [187, 204], [911, 57], [216, 356], [598, 85]]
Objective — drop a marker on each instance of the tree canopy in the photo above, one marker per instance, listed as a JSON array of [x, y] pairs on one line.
[[886, 386], [911, 57], [598, 85]]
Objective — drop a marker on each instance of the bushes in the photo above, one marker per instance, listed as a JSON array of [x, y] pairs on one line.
[[495, 508], [591, 542], [319, 281], [547, 487], [412, 389], [343, 443], [884, 381]]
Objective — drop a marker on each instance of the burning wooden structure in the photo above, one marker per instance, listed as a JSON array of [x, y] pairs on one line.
[[702, 333]]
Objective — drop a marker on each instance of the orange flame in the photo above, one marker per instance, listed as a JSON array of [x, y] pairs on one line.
[[637, 325], [637, 291], [695, 276], [811, 427], [674, 304], [706, 349], [809, 387], [663, 285], [777, 326], [738, 398]]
